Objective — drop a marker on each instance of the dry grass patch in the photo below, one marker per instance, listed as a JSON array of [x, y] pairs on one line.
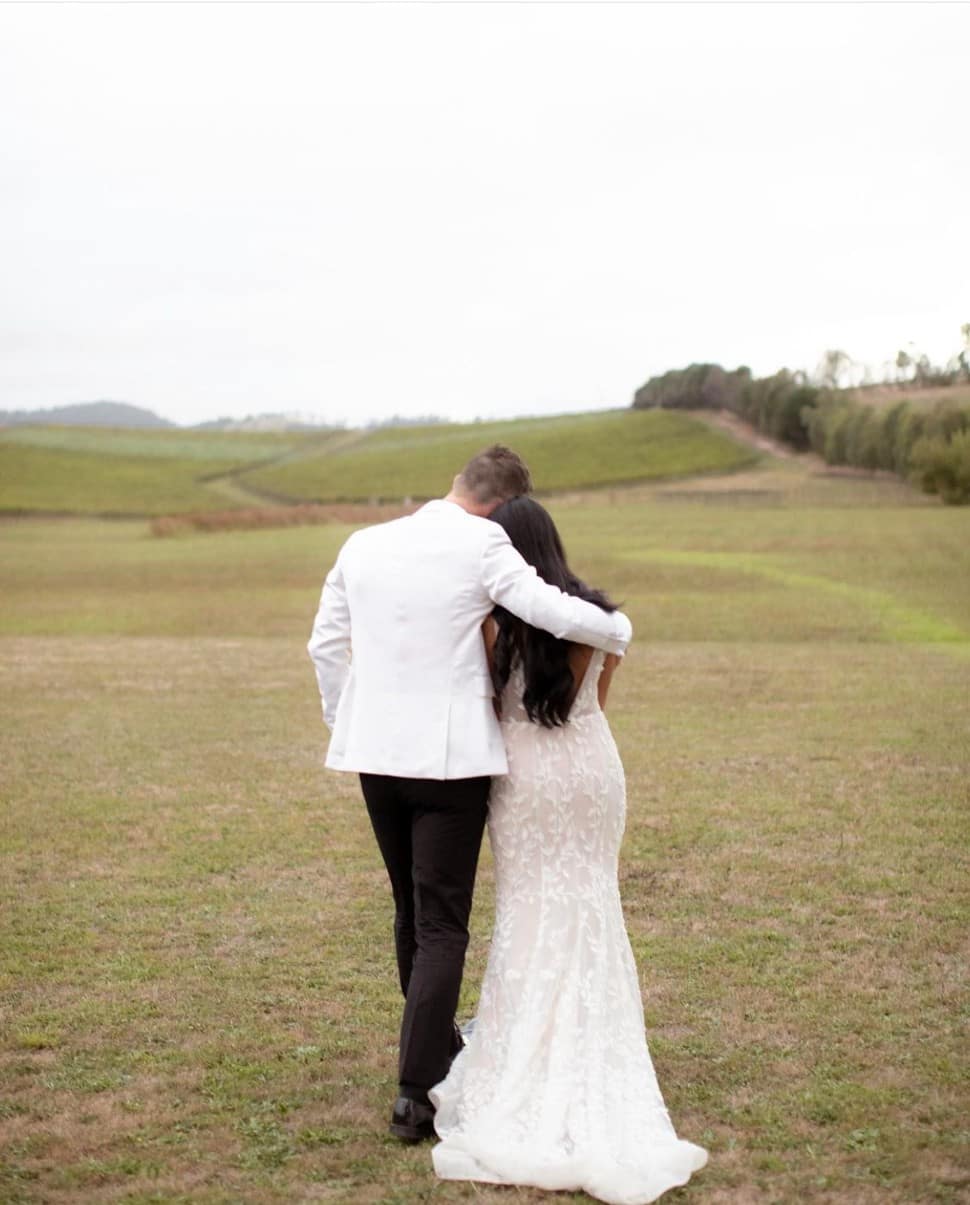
[[257, 518], [196, 979]]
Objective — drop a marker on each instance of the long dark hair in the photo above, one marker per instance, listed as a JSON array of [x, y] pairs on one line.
[[545, 659]]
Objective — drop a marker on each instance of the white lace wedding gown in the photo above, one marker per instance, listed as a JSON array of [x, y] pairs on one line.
[[556, 1087]]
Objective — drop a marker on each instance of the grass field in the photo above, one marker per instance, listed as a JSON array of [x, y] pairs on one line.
[[195, 960], [88, 470], [237, 447], [570, 451], [95, 471]]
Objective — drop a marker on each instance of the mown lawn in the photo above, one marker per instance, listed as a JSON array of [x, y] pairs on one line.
[[195, 962]]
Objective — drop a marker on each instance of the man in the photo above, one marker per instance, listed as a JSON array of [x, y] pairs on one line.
[[400, 661]]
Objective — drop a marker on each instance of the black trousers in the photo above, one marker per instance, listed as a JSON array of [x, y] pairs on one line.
[[430, 833]]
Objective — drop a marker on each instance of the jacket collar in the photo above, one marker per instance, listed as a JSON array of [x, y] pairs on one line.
[[441, 506]]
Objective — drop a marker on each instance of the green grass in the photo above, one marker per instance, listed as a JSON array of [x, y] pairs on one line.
[[237, 447], [55, 479], [196, 974], [97, 471], [128, 472], [568, 452]]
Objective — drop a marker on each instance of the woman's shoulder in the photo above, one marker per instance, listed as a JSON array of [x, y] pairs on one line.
[[580, 661], [582, 654]]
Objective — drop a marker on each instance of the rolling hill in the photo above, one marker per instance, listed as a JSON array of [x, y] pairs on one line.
[[567, 452], [110, 471], [86, 470], [87, 414]]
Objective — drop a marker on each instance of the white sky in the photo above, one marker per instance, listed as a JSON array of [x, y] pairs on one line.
[[356, 210]]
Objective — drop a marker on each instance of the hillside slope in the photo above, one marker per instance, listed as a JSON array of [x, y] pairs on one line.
[[566, 452], [99, 471], [88, 470]]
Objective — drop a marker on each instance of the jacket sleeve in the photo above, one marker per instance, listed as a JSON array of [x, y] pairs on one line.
[[512, 583], [329, 644]]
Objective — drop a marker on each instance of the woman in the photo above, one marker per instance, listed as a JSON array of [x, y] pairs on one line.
[[556, 1088]]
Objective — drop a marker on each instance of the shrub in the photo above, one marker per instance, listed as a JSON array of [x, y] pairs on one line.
[[862, 437], [835, 446], [259, 517], [947, 420], [816, 419], [941, 466], [788, 420], [888, 432], [908, 431]]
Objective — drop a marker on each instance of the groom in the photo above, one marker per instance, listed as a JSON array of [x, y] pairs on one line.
[[400, 661]]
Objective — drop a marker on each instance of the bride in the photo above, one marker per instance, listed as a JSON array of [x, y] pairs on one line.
[[556, 1088]]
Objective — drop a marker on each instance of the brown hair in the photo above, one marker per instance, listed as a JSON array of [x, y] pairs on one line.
[[497, 473]]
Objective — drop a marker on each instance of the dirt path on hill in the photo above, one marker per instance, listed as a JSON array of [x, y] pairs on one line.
[[814, 465], [724, 420], [233, 485]]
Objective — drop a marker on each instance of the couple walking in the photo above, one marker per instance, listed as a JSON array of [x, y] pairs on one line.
[[463, 670]]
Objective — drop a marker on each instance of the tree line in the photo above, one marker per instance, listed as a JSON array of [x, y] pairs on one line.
[[925, 442]]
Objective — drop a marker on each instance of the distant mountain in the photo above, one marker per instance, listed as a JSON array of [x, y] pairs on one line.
[[86, 414]]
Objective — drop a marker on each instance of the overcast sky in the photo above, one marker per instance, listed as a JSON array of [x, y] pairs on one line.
[[469, 210]]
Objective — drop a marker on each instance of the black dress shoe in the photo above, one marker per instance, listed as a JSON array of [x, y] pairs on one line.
[[411, 1120]]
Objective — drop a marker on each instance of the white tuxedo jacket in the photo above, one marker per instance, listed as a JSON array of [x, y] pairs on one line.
[[398, 650]]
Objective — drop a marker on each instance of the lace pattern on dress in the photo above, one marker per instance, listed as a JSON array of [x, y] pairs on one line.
[[556, 1087]]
